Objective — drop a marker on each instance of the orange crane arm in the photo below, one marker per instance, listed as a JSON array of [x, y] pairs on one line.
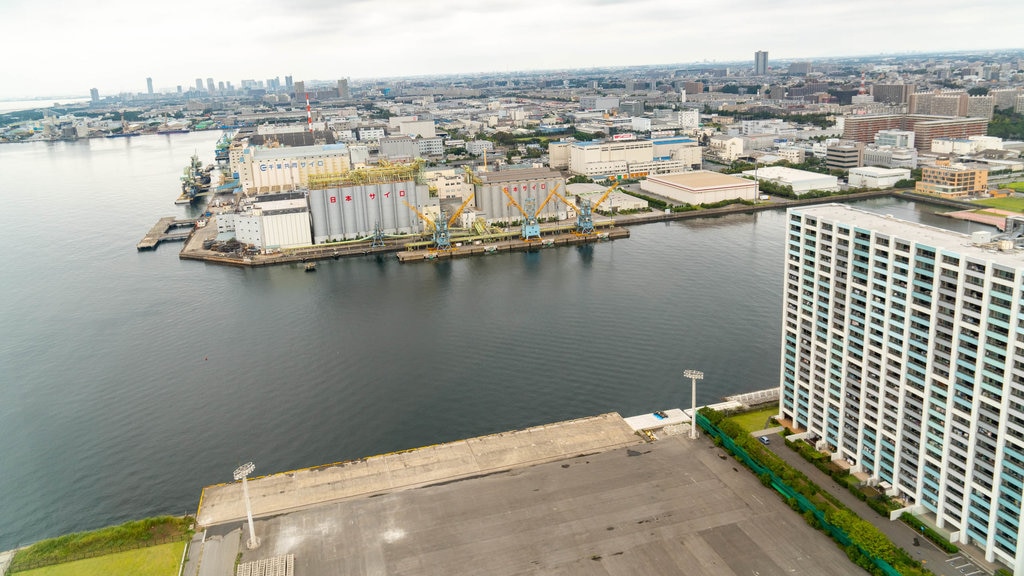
[[566, 202], [605, 196], [461, 208], [513, 202], [546, 200], [422, 216]]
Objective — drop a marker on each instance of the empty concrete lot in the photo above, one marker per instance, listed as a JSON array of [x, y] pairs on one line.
[[669, 507]]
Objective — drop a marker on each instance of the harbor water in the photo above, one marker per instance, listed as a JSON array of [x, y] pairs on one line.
[[128, 380]]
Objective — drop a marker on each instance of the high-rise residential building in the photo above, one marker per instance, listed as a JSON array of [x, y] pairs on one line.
[[892, 93], [299, 89], [1005, 98], [94, 94], [900, 357], [343, 92], [288, 83], [800, 68], [925, 128], [199, 84], [760, 63], [692, 87], [149, 86], [210, 86]]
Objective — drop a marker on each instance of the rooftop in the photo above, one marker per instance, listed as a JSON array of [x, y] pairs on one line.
[[937, 238], [699, 180], [786, 174]]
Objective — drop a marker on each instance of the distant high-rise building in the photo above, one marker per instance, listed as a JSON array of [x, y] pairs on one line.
[[693, 87], [343, 92], [179, 88], [220, 86], [760, 62], [210, 86], [199, 84], [288, 82], [800, 68], [94, 94], [149, 86], [299, 89], [892, 93]]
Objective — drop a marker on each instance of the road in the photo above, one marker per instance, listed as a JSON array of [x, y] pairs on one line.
[[935, 559]]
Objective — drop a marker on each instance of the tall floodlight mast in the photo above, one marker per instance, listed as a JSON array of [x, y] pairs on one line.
[[693, 375], [242, 473]]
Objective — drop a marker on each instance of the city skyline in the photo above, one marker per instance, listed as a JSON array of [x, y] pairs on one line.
[[312, 39]]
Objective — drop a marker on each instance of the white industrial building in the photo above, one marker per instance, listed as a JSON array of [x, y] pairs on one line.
[[726, 148], [370, 133], [801, 181], [275, 224], [479, 146], [398, 148], [895, 138], [447, 183], [700, 187], [890, 157], [603, 158], [874, 177], [558, 155], [523, 185], [617, 201], [969, 145], [268, 170], [599, 103]]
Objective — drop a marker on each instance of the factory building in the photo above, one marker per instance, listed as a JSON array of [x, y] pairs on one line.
[[801, 181], [272, 223], [874, 177], [529, 183], [349, 211], [269, 170], [700, 187], [890, 156], [398, 148], [900, 356]]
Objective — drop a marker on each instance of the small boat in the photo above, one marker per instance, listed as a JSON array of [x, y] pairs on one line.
[[310, 266]]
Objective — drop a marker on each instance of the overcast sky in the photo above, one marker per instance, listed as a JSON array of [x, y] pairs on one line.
[[66, 47]]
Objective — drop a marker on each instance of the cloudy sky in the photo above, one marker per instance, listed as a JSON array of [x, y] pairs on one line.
[[66, 47]]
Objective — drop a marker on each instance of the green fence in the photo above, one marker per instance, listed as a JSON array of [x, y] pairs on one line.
[[787, 492]]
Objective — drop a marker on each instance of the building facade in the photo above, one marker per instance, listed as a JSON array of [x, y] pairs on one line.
[[952, 180], [268, 170], [760, 62], [900, 356]]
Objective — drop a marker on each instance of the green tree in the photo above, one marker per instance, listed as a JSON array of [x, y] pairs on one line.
[[579, 179]]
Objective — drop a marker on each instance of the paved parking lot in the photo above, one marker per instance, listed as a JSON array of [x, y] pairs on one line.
[[675, 506]]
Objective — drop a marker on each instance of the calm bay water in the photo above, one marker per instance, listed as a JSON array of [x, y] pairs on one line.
[[130, 380]]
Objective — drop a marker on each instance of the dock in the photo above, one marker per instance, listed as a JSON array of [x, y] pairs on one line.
[[513, 245], [168, 229]]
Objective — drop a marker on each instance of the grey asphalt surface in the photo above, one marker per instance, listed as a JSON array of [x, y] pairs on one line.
[[935, 559], [675, 506]]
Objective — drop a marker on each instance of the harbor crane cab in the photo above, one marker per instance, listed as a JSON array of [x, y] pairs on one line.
[[440, 229]]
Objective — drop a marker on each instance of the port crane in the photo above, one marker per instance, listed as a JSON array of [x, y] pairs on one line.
[[585, 211], [531, 226], [441, 228]]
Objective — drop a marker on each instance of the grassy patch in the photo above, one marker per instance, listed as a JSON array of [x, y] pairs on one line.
[[160, 560], [1018, 186], [1011, 204], [756, 420], [121, 538]]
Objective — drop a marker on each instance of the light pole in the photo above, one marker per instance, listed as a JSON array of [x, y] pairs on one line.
[[693, 375], [241, 473]]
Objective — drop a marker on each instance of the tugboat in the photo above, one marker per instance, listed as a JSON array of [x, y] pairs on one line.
[[310, 266]]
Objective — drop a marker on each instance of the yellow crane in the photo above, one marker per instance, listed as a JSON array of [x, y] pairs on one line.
[[531, 225], [440, 228], [584, 211]]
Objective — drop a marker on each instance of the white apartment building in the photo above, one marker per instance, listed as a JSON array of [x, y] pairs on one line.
[[902, 354]]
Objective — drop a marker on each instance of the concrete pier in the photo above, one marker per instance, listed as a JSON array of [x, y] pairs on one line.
[[513, 245], [167, 229]]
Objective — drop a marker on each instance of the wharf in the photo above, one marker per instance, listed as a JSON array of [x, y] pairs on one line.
[[162, 232], [513, 245], [441, 463]]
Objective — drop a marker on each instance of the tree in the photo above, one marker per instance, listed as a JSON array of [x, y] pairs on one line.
[[579, 179], [978, 91]]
